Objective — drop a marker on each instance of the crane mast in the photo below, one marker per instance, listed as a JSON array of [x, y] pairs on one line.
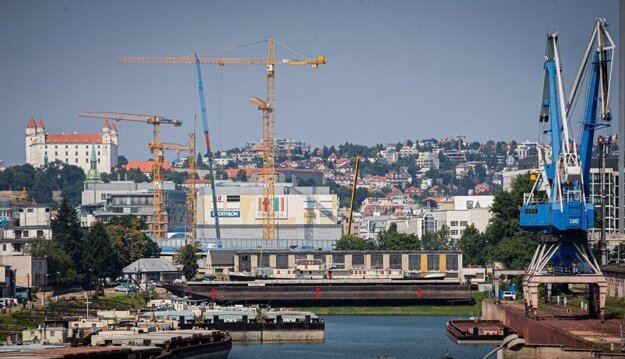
[[158, 213], [268, 174], [559, 206]]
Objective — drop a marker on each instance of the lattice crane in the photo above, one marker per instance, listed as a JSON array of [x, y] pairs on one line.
[[158, 214], [269, 231], [192, 191], [21, 198]]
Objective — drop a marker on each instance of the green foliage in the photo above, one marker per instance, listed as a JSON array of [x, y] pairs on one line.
[[344, 194], [438, 240], [176, 177], [350, 150], [241, 176], [390, 239], [40, 182], [58, 261], [121, 161], [100, 256], [187, 256], [516, 251], [473, 246], [129, 240], [133, 175], [355, 243], [67, 233]]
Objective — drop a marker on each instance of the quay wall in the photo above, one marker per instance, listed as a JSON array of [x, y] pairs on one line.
[[533, 331]]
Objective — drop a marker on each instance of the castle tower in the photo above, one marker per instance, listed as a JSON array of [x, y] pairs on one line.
[[31, 133], [114, 134], [41, 132], [93, 175]]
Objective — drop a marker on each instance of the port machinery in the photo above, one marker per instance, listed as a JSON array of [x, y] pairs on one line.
[[559, 206]]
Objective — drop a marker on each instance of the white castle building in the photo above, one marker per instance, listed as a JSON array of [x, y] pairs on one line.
[[73, 148]]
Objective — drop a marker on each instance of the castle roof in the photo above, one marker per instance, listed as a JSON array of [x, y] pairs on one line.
[[31, 123], [73, 138], [40, 124], [106, 124], [113, 127]]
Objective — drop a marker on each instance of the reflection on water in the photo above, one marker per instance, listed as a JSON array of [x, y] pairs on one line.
[[362, 336]]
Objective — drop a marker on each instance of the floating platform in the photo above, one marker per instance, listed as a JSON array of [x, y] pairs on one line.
[[326, 292], [478, 331]]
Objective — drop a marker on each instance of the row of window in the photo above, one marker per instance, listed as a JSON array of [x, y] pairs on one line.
[[66, 147], [462, 223], [56, 153], [358, 261]]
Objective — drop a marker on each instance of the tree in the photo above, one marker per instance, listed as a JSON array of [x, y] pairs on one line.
[[438, 240], [241, 176], [391, 239], [354, 243], [473, 246], [129, 240], [517, 251], [187, 256], [99, 256], [121, 161], [66, 231], [58, 260]]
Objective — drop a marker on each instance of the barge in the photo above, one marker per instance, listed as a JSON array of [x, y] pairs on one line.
[[326, 292], [478, 331]]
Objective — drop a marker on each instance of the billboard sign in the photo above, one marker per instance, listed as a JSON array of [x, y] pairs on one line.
[[227, 213]]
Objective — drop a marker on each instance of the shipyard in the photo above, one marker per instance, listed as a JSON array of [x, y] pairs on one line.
[[312, 179]]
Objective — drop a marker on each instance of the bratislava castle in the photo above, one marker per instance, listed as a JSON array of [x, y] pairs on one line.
[[73, 148]]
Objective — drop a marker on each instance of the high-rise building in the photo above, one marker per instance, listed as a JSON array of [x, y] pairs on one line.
[[73, 148]]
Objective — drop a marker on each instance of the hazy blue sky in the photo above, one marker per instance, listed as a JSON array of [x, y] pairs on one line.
[[396, 69]]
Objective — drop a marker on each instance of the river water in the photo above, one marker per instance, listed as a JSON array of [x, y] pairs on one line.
[[371, 336]]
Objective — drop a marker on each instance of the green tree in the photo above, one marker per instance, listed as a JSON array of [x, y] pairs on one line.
[[438, 240], [516, 251], [354, 243], [66, 231], [58, 260], [129, 240], [99, 256], [473, 246], [188, 256], [241, 176], [391, 239]]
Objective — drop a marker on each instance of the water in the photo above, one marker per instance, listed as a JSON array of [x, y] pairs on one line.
[[362, 336]]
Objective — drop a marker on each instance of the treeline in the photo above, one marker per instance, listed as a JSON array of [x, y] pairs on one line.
[[502, 241], [41, 182], [77, 256]]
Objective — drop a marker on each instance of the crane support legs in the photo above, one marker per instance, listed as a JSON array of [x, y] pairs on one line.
[[584, 270]]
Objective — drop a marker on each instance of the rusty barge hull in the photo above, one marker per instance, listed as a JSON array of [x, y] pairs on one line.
[[325, 294]]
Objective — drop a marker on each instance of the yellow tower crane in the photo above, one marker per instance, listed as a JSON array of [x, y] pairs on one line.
[[158, 214], [269, 230], [192, 192], [21, 199]]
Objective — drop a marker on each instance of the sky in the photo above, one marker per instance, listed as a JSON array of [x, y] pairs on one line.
[[395, 69]]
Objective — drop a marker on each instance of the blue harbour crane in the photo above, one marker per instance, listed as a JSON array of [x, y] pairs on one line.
[[559, 205]]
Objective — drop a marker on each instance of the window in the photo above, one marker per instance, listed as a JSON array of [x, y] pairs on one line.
[[66, 153], [377, 261], [395, 261], [338, 261], [30, 210], [282, 261], [76, 160], [453, 232], [319, 258], [452, 262], [87, 153], [463, 223], [39, 233], [414, 262], [454, 223], [433, 262], [358, 261], [4, 247], [263, 260], [76, 154], [56, 153]]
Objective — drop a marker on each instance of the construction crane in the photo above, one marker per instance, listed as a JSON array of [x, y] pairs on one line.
[[192, 192], [158, 214], [268, 121], [21, 198], [351, 201], [458, 138], [268, 174], [559, 205]]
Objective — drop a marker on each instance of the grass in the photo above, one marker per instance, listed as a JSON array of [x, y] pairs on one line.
[[447, 310], [17, 321]]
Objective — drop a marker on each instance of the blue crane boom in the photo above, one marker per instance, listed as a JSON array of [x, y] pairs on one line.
[[559, 204], [209, 153]]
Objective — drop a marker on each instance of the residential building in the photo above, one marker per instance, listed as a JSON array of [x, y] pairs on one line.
[[73, 149], [152, 270], [611, 183], [466, 210], [428, 160]]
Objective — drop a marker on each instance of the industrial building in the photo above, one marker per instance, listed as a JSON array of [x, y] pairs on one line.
[[302, 213], [71, 148], [102, 201]]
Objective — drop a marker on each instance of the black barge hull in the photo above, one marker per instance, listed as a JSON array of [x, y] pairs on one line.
[[314, 294]]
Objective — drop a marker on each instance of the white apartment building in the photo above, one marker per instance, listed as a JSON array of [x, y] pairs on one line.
[[466, 210], [73, 148], [428, 160]]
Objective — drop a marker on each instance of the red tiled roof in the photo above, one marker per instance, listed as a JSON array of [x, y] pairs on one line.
[[106, 124], [145, 166], [73, 138], [31, 123], [257, 148], [40, 124]]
